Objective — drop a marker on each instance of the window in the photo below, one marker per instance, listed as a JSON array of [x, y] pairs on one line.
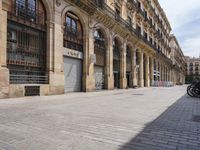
[[99, 47], [145, 35], [26, 43], [73, 35], [117, 13], [151, 40], [26, 54], [26, 9], [139, 5], [145, 14], [99, 40], [138, 30], [130, 20], [71, 25], [31, 4]]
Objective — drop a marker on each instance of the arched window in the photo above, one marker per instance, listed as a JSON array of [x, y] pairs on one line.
[[73, 33], [99, 47], [26, 42]]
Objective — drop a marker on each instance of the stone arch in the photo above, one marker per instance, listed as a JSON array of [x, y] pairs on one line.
[[49, 10], [119, 39], [86, 33], [83, 20], [78, 13], [130, 45]]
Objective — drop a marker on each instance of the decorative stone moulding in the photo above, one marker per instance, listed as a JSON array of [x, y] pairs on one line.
[[58, 3]]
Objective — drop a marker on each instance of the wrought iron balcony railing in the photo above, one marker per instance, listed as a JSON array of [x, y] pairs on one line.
[[110, 12]]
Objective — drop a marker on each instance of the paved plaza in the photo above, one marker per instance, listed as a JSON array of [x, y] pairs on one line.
[[133, 119]]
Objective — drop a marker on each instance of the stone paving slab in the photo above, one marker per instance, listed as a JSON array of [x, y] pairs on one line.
[[133, 119]]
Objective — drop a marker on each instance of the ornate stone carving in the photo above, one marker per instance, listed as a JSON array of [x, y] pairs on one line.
[[58, 3]]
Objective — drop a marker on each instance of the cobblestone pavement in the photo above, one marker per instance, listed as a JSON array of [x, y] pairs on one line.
[[134, 119]]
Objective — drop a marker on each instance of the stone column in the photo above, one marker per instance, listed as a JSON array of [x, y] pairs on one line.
[[161, 72], [147, 72], [163, 78], [169, 74], [134, 68], [152, 71], [4, 72], [156, 69], [55, 56], [88, 66], [166, 73], [109, 79], [141, 68], [123, 80]]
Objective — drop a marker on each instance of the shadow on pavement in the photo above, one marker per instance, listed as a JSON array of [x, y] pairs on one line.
[[178, 128]]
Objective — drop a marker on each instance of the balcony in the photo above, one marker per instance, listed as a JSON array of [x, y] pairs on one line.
[[110, 12], [131, 4]]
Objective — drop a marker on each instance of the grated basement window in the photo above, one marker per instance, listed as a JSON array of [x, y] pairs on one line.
[[32, 91]]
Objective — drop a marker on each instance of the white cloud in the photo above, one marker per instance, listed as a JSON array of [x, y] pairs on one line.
[[179, 12], [184, 18], [192, 46]]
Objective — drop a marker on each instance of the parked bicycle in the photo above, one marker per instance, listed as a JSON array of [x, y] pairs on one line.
[[193, 90]]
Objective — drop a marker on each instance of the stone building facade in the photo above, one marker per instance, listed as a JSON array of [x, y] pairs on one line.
[[179, 62], [59, 46], [193, 66]]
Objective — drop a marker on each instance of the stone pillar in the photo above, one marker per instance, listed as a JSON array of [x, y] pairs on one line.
[[161, 72], [141, 68], [152, 71], [156, 69], [147, 72], [88, 66], [55, 55], [166, 74], [123, 80], [134, 68], [170, 75], [4, 72], [109, 79]]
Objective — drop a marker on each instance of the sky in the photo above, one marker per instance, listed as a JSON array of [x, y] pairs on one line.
[[184, 17]]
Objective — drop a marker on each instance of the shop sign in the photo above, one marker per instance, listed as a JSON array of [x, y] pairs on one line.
[[73, 53]]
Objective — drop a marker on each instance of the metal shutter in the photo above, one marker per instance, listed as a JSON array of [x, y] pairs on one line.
[[73, 74], [99, 77]]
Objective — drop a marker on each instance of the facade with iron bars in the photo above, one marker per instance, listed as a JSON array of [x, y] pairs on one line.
[[60, 46]]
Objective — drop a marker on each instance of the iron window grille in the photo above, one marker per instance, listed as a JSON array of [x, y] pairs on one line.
[[26, 54]]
